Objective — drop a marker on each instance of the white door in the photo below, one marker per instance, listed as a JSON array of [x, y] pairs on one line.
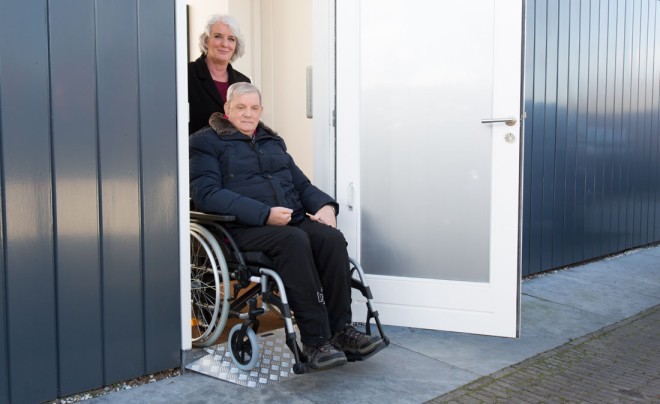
[[429, 193]]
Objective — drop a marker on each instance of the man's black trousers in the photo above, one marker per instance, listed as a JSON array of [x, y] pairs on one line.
[[312, 260]]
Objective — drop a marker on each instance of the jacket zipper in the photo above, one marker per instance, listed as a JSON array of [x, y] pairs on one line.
[[255, 147]]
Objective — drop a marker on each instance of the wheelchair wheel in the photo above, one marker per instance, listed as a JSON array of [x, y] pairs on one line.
[[209, 279], [244, 347]]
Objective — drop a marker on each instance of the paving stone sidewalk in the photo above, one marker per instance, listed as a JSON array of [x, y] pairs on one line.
[[617, 364]]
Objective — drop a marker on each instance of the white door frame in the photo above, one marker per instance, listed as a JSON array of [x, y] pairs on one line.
[[323, 93], [324, 141], [181, 40]]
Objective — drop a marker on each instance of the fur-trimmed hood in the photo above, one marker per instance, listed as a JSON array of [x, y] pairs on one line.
[[223, 127]]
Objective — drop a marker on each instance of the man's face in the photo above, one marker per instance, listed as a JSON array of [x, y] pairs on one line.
[[244, 112]]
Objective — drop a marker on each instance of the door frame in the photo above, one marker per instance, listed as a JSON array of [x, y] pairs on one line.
[[323, 105], [326, 84], [181, 43]]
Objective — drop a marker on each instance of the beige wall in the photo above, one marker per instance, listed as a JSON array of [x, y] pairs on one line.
[[198, 13], [286, 32], [278, 35]]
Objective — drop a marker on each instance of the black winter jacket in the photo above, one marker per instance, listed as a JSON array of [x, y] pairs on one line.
[[203, 96], [232, 174]]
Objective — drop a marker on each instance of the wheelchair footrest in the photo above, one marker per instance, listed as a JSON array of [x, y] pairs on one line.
[[360, 357]]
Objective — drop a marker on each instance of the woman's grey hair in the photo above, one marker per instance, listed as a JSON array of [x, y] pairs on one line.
[[241, 88], [233, 27]]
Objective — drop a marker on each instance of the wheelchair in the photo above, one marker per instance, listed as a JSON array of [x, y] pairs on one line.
[[229, 283]]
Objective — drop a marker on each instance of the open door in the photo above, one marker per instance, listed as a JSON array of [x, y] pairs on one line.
[[428, 158]]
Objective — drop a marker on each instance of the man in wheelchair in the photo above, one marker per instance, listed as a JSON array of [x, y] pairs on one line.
[[240, 167]]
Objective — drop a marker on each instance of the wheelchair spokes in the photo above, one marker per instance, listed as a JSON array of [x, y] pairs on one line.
[[204, 294], [209, 282]]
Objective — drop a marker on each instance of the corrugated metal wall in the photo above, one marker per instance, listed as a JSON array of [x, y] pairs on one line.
[[592, 140], [89, 277]]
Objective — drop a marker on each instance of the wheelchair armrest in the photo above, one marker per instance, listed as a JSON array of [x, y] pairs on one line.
[[210, 217]]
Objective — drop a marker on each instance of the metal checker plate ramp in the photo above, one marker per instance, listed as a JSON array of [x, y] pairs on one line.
[[275, 362]]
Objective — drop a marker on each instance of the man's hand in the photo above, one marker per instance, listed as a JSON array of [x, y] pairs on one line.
[[279, 216], [325, 215]]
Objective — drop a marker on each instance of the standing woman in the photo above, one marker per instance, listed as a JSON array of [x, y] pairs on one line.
[[211, 74]]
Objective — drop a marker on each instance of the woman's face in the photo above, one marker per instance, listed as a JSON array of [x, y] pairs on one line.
[[221, 44]]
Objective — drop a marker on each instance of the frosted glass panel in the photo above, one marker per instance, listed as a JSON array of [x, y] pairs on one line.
[[425, 156]]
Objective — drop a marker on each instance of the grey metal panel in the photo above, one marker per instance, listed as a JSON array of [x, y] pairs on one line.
[[4, 365], [89, 285], [589, 97], [549, 123], [569, 237], [530, 43], [596, 134], [617, 122], [646, 69], [591, 134], [628, 128], [633, 213], [535, 125], [649, 141], [158, 149], [118, 123], [620, 174], [561, 188], [610, 151], [73, 107], [28, 242], [655, 128]]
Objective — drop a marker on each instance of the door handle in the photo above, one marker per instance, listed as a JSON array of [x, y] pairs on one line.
[[509, 121], [308, 92]]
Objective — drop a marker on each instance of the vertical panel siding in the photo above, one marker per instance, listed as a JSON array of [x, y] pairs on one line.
[[27, 201], [654, 195], [561, 190], [4, 364], [158, 184], [549, 121], [89, 257], [72, 48], [590, 185], [616, 74], [571, 239], [528, 105], [118, 124]]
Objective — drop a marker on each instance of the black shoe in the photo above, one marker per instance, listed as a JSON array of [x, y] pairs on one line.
[[324, 356], [354, 342]]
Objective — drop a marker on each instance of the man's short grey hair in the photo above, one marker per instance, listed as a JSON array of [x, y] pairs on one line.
[[229, 21], [241, 88]]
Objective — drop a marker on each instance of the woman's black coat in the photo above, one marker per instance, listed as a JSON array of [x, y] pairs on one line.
[[203, 96]]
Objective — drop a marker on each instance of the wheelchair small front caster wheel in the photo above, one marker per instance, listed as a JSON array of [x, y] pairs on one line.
[[299, 368], [243, 347]]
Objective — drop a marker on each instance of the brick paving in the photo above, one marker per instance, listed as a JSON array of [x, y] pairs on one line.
[[617, 364]]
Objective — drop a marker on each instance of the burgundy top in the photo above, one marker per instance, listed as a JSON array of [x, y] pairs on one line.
[[222, 89]]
